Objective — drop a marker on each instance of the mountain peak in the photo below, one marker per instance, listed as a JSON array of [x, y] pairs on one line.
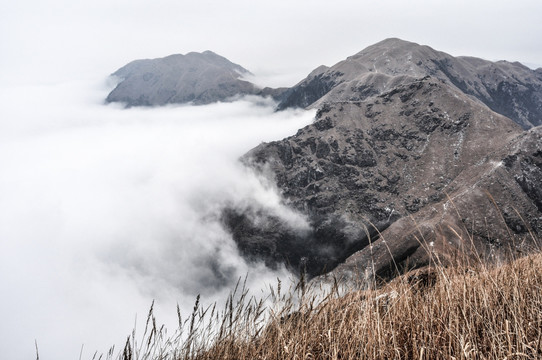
[[507, 88], [390, 44], [198, 78], [393, 41]]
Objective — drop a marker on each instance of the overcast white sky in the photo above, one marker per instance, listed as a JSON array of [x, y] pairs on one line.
[[48, 40], [103, 209]]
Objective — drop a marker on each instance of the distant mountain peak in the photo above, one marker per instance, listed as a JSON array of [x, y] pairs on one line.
[[394, 42], [198, 78]]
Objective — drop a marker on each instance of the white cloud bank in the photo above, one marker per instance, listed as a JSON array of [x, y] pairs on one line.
[[104, 209], [101, 208]]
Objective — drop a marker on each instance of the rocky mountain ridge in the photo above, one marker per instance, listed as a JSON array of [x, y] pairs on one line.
[[510, 89], [364, 168]]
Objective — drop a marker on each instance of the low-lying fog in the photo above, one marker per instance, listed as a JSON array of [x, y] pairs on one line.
[[104, 209]]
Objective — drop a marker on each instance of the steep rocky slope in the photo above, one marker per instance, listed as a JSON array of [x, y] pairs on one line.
[[365, 167], [510, 89], [198, 78], [491, 212]]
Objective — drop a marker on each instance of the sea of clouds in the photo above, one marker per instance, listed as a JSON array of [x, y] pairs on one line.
[[105, 209]]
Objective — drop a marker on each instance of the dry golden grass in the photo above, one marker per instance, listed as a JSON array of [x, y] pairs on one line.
[[474, 314], [465, 312]]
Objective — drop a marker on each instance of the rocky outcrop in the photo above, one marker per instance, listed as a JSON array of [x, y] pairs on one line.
[[365, 169], [197, 78], [510, 89]]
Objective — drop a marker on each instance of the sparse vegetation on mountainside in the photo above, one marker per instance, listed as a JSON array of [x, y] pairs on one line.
[[469, 310]]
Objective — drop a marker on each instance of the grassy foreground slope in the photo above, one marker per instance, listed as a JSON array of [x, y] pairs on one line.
[[466, 311]]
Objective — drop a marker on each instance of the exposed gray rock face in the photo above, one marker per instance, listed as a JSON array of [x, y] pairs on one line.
[[365, 167], [510, 89], [490, 212], [198, 78]]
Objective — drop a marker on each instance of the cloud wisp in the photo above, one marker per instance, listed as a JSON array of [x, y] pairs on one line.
[[105, 209]]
